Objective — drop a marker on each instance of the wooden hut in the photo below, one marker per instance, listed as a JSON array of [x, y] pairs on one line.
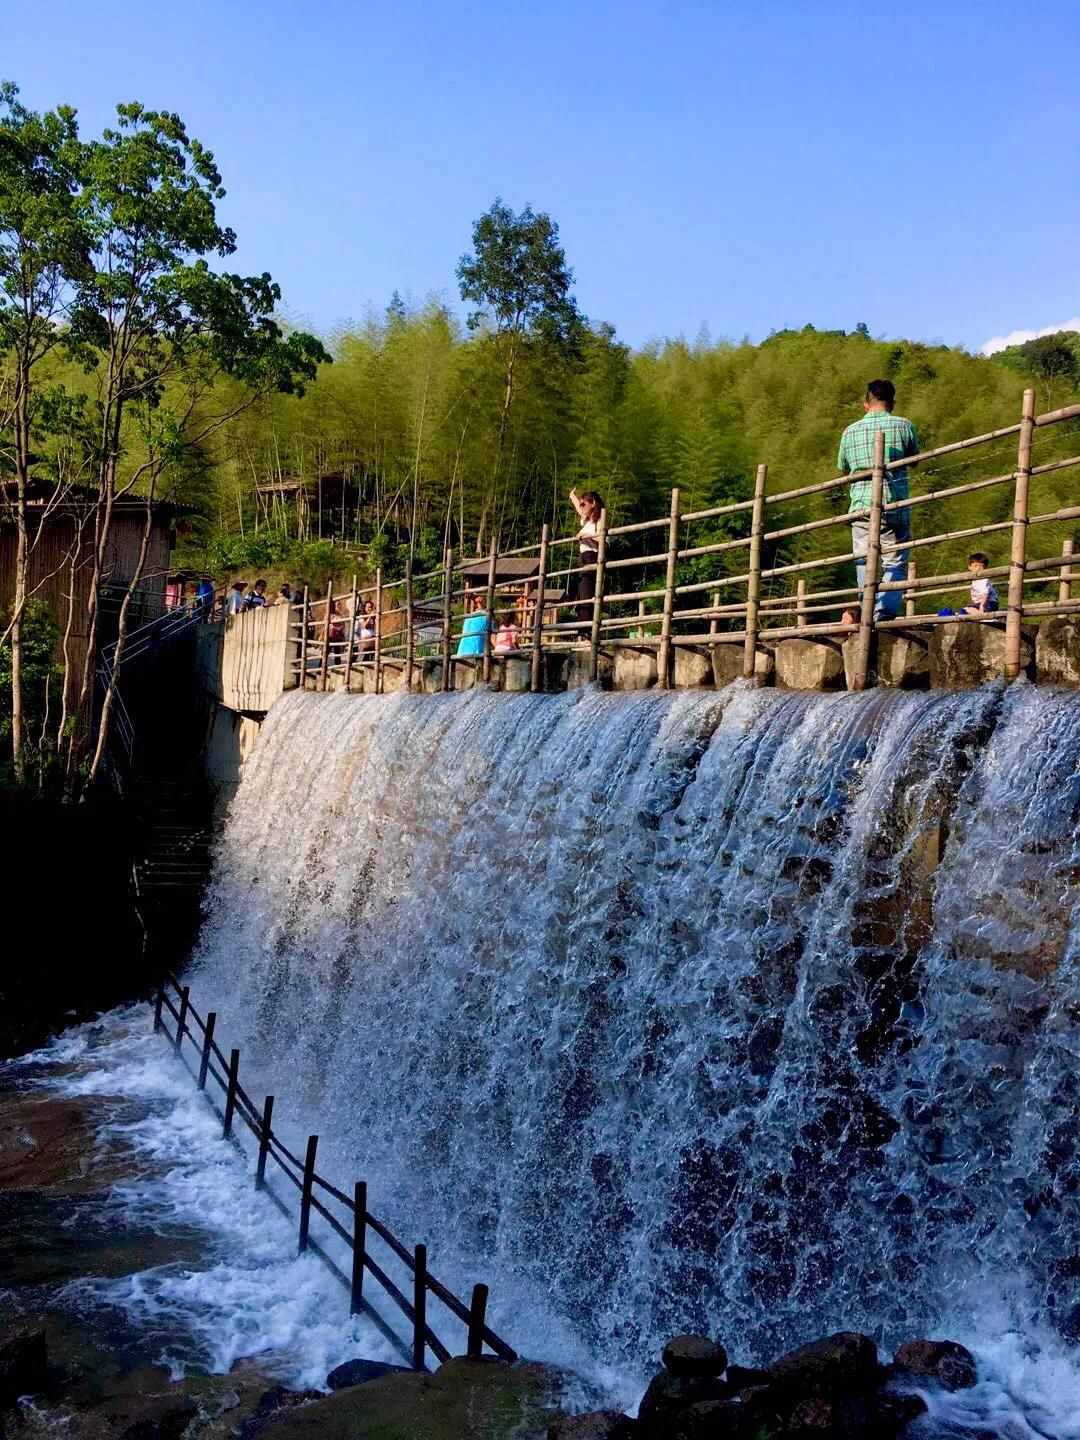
[[61, 531]]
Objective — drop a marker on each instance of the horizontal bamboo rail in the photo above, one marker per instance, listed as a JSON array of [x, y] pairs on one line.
[[303, 1176], [419, 616]]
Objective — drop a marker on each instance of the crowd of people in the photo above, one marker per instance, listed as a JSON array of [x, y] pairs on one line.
[[514, 625]]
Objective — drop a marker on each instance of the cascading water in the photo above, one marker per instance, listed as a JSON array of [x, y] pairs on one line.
[[752, 1012]]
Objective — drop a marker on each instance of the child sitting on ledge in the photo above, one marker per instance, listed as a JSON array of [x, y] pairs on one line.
[[984, 597]]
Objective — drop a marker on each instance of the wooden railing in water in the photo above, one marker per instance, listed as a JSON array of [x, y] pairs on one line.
[[360, 1222], [415, 629]]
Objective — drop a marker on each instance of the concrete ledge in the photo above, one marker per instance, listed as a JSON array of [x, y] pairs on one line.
[[809, 665], [898, 661], [635, 669], [1057, 651], [968, 653], [692, 669], [727, 665]]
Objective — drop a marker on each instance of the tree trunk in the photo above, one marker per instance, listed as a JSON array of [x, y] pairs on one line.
[[121, 638]]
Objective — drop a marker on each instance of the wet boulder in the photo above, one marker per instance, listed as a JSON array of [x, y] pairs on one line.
[[718, 1420], [23, 1364], [597, 1425], [845, 1361], [944, 1362], [669, 1395], [359, 1372], [171, 1425], [694, 1355]]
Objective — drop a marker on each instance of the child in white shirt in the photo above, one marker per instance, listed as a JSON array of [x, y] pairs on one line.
[[984, 598]]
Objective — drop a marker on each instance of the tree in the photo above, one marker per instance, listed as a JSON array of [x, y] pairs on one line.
[[518, 278], [183, 348], [44, 248]]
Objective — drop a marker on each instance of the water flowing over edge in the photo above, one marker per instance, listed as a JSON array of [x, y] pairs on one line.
[[657, 1011]]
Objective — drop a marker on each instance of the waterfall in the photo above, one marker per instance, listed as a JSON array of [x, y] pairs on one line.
[[743, 1011]]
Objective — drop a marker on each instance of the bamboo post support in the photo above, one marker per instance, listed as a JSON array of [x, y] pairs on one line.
[[663, 661], [410, 633], [909, 600], [230, 1094], [489, 604], [359, 1246], [305, 1193], [448, 589], [181, 1024], [303, 639], [598, 598], [1066, 578], [753, 584], [800, 601], [873, 562], [207, 1049], [350, 643], [326, 636], [419, 1305], [265, 1132], [477, 1321], [1018, 550], [536, 677], [378, 630], [641, 619]]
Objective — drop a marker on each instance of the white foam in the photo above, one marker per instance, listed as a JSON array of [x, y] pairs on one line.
[[253, 1295]]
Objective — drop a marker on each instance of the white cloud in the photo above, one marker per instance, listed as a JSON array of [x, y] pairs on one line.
[[1018, 337]]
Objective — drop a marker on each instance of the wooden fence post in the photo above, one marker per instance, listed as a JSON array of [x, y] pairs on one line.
[[536, 674], [753, 584], [378, 630], [410, 634], [181, 1024], [230, 1093], [326, 636], [1065, 580], [359, 1246], [207, 1049], [663, 665], [713, 626], [477, 1321], [303, 639], [490, 610], [447, 606], [598, 598], [305, 1193], [419, 1306], [909, 595], [800, 601], [265, 1131], [351, 641], [1018, 552], [864, 639]]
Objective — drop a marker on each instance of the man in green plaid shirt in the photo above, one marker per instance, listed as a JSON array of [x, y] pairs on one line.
[[857, 453]]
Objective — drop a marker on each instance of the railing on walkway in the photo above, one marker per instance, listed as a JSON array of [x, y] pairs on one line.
[[359, 1225], [419, 617]]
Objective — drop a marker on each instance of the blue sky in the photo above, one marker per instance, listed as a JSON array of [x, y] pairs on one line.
[[739, 167]]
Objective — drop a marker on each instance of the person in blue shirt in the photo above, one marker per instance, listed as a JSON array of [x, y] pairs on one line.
[[204, 597], [475, 628]]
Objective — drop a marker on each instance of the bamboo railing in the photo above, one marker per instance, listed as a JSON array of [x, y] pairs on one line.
[[419, 617], [358, 1224]]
